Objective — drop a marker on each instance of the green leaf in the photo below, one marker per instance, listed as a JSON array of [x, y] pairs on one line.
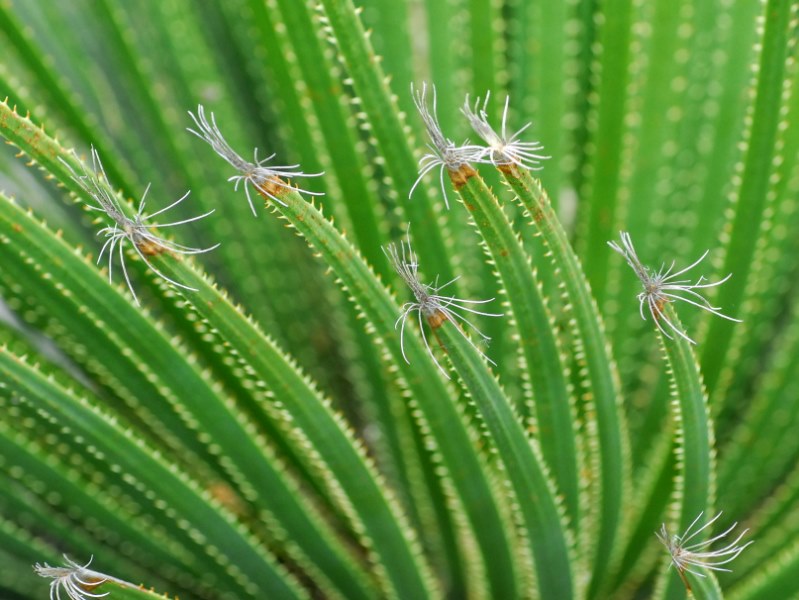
[[277, 401], [752, 192], [774, 579], [211, 527], [53, 88], [465, 468], [597, 370], [696, 480], [362, 497], [535, 498], [386, 125], [611, 67], [249, 464], [553, 416], [707, 587]]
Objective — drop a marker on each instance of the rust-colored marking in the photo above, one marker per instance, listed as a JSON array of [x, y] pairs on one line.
[[273, 187], [224, 494], [685, 581], [89, 583], [462, 176], [659, 308], [441, 344], [149, 248], [437, 319], [17, 227], [510, 170]]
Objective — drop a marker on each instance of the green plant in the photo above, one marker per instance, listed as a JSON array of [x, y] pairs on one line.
[[282, 416]]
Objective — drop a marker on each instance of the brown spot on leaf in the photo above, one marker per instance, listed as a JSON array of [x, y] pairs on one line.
[[226, 496], [462, 176], [149, 248], [272, 188], [437, 319], [510, 170]]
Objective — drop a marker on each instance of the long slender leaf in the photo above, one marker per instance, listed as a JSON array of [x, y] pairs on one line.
[[696, 483], [463, 463], [596, 367], [212, 527], [534, 493], [554, 413]]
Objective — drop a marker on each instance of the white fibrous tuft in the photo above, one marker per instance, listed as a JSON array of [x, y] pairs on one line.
[[78, 582], [138, 230], [430, 305], [257, 174], [502, 148], [665, 286], [687, 557], [444, 153]]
